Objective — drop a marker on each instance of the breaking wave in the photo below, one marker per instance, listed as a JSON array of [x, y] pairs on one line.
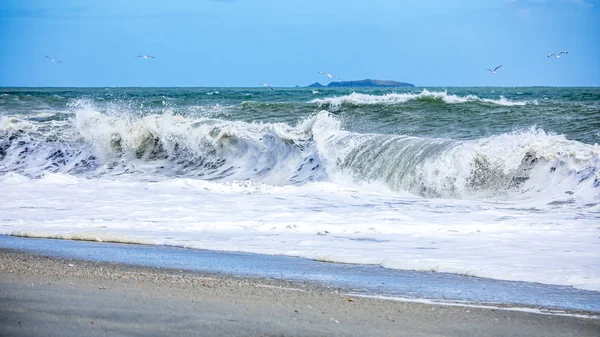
[[356, 99], [523, 162], [93, 144]]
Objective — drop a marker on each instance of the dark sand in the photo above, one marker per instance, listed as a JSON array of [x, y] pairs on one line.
[[50, 296]]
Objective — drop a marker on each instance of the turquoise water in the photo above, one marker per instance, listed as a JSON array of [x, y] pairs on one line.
[[573, 112], [384, 135]]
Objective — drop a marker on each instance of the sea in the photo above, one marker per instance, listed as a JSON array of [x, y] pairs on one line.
[[501, 183]]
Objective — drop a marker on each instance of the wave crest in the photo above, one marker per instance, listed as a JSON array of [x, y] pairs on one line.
[[514, 163], [356, 99], [316, 149]]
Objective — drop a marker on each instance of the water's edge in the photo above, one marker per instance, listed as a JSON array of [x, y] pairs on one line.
[[359, 279]]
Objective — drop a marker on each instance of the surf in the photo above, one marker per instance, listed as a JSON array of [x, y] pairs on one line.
[[359, 99], [521, 162], [316, 148]]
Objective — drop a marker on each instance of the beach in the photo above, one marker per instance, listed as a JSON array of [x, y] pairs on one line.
[[375, 211], [168, 169], [404, 178], [55, 296]]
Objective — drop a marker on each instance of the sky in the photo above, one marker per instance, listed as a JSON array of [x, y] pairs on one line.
[[239, 43]]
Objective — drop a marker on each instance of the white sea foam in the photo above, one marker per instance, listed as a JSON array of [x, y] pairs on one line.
[[529, 161], [526, 202], [517, 164], [526, 240], [210, 147], [12, 178], [13, 124], [82, 236], [551, 312], [396, 98]]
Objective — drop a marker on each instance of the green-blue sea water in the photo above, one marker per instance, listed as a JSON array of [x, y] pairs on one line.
[[574, 112], [493, 182]]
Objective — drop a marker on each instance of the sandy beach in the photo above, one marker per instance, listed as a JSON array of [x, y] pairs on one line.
[[42, 295]]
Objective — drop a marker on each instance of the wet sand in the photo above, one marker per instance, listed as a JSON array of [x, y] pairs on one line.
[[53, 296], [356, 279]]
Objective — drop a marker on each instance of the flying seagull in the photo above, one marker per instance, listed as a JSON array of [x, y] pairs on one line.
[[557, 55], [53, 60], [494, 71], [145, 56], [265, 85], [326, 74]]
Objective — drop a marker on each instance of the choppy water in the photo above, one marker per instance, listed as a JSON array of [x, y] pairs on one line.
[[495, 182]]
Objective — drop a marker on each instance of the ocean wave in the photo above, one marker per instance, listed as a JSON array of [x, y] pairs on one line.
[[356, 99], [525, 162], [208, 148], [315, 149], [95, 143]]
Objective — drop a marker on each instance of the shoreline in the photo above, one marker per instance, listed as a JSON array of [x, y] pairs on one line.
[[358, 280], [41, 295]]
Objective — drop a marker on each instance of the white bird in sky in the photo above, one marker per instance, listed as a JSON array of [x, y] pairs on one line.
[[494, 71], [326, 74], [145, 56], [53, 60], [265, 85]]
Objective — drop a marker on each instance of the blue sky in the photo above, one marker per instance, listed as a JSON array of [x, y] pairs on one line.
[[287, 42]]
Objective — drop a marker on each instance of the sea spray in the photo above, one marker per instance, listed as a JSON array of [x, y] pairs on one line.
[[314, 149], [417, 185], [357, 99]]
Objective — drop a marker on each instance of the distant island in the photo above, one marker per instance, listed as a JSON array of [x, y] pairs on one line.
[[362, 83]]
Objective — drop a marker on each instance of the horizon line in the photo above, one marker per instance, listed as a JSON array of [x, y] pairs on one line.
[[305, 87]]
